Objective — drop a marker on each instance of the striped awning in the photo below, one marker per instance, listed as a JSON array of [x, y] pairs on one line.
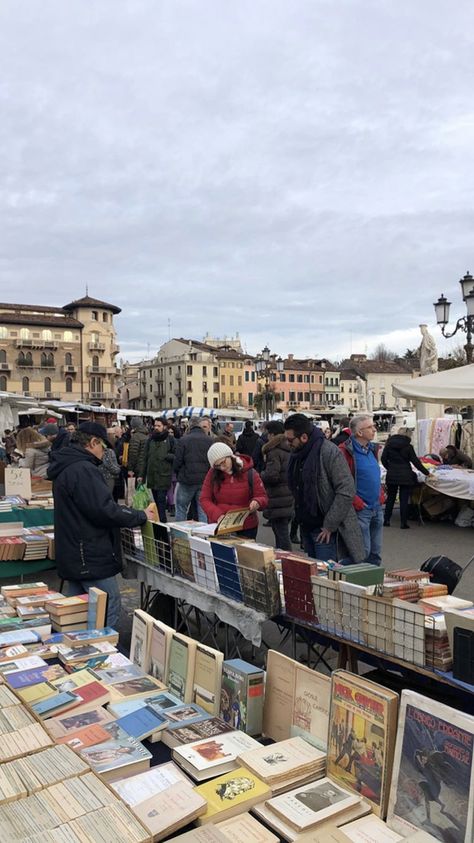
[[187, 412]]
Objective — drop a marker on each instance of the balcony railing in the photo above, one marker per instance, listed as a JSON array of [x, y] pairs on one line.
[[101, 370], [69, 370], [5, 367], [96, 346]]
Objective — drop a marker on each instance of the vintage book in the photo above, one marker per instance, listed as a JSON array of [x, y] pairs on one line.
[[463, 619], [181, 553], [307, 806], [96, 608], [159, 650], [370, 829], [45, 673], [143, 786], [290, 760], [116, 759], [23, 741], [185, 717], [211, 727], [170, 810], [210, 757], [24, 590], [67, 605], [433, 782], [10, 639], [112, 822], [362, 727], [112, 675], [143, 722], [158, 548], [87, 736], [36, 693], [231, 794], [91, 636], [227, 570], [60, 702], [207, 678], [181, 666], [141, 639], [67, 724], [296, 701], [139, 686], [204, 568], [246, 828], [242, 693], [297, 587], [161, 702], [258, 577], [446, 603], [70, 656], [206, 834]]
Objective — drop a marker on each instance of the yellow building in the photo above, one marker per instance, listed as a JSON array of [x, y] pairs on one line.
[[66, 353]]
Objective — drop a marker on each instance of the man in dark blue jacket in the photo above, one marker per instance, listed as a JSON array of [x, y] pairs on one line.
[[191, 466], [87, 519]]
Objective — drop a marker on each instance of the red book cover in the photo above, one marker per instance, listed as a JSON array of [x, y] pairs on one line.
[[91, 692], [297, 587]]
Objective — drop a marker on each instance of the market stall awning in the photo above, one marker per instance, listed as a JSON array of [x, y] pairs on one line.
[[453, 386], [187, 412]]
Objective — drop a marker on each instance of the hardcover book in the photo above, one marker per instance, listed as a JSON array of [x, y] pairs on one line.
[[433, 783], [242, 696], [362, 726], [227, 570]]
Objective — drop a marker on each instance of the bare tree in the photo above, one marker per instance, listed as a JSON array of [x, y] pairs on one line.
[[382, 353]]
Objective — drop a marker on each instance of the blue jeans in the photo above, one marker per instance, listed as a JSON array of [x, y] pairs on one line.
[[110, 585], [318, 550], [184, 495], [371, 525]]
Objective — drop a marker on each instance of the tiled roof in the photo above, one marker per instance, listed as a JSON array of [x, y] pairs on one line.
[[374, 367], [48, 320], [30, 308], [87, 301]]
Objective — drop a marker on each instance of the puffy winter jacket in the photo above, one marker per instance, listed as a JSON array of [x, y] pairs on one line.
[[396, 457], [190, 462], [246, 442], [136, 448], [235, 492], [86, 517], [276, 452], [157, 466], [36, 458]]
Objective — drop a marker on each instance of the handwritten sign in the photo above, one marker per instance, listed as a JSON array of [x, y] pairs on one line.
[[18, 481]]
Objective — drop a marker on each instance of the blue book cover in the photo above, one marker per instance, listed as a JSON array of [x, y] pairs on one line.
[[185, 715], [227, 570], [46, 708], [142, 722], [27, 636], [24, 678], [161, 702], [87, 634]]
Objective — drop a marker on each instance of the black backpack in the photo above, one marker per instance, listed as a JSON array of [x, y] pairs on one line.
[[444, 571]]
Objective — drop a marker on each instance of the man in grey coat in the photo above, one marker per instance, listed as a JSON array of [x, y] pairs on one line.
[[323, 488]]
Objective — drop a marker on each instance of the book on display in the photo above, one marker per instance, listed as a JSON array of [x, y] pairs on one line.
[[181, 552], [87, 736], [161, 702], [370, 829], [170, 810], [181, 666], [242, 692], [144, 786], [204, 567], [116, 759], [207, 678], [96, 608], [433, 784], [290, 760], [362, 728], [141, 639], [143, 722], [210, 757], [307, 806], [227, 570], [161, 635], [67, 724], [231, 794], [139, 686]]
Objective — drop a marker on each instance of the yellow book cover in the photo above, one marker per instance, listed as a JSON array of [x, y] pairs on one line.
[[74, 680], [36, 693], [238, 790]]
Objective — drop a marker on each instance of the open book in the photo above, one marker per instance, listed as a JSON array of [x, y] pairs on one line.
[[230, 522]]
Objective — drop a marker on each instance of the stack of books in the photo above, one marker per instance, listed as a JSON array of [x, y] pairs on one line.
[[439, 653], [5, 505], [36, 544], [68, 614], [211, 757], [285, 764], [432, 590], [12, 548], [401, 589]]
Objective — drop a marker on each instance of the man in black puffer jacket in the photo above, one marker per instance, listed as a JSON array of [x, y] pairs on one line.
[[276, 453], [87, 519], [191, 466]]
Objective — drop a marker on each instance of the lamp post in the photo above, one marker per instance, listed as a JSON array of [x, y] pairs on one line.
[[264, 364], [464, 323]]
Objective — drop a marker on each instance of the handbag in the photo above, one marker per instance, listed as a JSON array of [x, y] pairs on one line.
[[444, 571]]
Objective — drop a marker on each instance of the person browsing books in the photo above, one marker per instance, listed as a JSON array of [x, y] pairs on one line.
[[232, 483], [87, 519]]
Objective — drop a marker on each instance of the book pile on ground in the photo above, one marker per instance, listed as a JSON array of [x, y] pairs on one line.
[[296, 701], [362, 727], [116, 759], [231, 794], [36, 544], [433, 776], [68, 614], [212, 757]]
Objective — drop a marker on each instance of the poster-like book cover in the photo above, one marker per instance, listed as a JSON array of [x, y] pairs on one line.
[[432, 784], [362, 728]]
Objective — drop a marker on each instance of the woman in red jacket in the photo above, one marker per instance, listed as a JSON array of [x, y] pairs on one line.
[[232, 483]]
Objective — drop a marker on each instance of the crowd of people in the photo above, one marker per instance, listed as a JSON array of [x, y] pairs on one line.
[[322, 488]]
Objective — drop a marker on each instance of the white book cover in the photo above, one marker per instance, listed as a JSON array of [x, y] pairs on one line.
[[211, 752], [204, 568], [432, 782], [309, 805], [282, 758], [135, 789], [371, 830]]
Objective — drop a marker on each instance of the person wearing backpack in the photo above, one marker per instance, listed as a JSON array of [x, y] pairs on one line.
[[232, 483], [156, 466]]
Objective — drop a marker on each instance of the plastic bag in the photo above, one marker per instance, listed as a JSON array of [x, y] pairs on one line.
[[142, 497]]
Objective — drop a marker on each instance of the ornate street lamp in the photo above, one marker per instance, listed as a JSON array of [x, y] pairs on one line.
[[264, 364], [464, 323]]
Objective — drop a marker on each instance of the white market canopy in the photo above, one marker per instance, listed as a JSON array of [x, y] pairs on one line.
[[453, 386]]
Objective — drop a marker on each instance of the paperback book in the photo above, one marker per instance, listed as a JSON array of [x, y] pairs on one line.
[[231, 794], [210, 757], [307, 806]]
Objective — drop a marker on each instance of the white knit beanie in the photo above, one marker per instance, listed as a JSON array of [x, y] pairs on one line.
[[217, 452]]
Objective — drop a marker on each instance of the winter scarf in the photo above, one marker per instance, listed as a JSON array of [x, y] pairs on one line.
[[303, 471]]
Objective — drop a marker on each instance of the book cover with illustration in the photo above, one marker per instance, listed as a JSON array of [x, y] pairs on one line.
[[181, 553], [362, 726], [433, 784], [231, 794]]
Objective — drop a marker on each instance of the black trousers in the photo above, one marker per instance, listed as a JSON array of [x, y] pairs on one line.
[[281, 532], [405, 492], [160, 500]]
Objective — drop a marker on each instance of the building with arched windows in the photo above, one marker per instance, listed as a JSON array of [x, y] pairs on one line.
[[66, 353]]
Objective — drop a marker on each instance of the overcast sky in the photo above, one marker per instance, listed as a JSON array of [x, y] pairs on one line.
[[300, 171]]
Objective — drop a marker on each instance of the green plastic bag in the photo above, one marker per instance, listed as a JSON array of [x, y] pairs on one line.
[[142, 497]]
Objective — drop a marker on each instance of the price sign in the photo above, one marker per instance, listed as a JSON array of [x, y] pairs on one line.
[[18, 481]]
